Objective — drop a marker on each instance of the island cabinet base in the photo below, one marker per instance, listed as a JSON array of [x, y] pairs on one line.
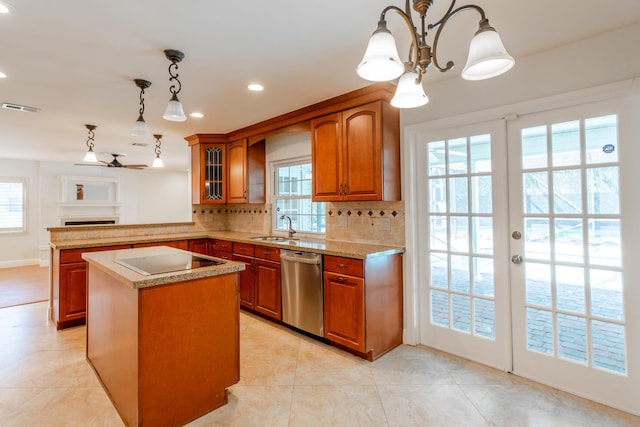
[[164, 354]]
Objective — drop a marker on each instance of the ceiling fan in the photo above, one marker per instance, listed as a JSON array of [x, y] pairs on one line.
[[115, 163]]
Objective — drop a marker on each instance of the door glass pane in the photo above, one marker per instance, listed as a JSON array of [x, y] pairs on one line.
[[538, 284], [438, 232], [439, 271], [440, 308], [483, 276], [567, 191], [568, 239], [539, 330], [608, 346], [437, 195], [536, 239], [459, 227], [601, 134], [460, 273], [484, 318], [534, 147], [536, 192], [436, 160], [602, 191], [480, 147], [565, 143], [604, 242], [606, 294], [458, 197], [570, 288], [572, 337], [481, 194], [457, 156], [482, 235], [461, 312]]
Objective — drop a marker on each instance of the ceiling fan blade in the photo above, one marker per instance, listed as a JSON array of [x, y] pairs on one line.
[[135, 166]]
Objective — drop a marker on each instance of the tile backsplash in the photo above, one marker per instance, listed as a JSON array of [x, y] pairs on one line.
[[362, 222]]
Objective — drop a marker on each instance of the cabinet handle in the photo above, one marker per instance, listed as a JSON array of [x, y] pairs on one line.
[[242, 249], [342, 279], [342, 265], [267, 252]]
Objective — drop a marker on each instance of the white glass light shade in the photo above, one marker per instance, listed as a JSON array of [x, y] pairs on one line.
[[90, 157], [409, 93], [174, 111], [157, 163], [487, 57], [140, 128], [381, 62]]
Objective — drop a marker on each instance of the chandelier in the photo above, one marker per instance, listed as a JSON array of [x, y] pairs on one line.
[[487, 56]]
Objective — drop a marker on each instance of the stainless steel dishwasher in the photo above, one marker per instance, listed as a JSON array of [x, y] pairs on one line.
[[302, 294]]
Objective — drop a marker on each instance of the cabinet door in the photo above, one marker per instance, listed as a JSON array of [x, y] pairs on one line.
[[344, 310], [200, 246], [209, 173], [362, 152], [237, 172], [73, 291], [247, 282], [268, 300], [326, 158]]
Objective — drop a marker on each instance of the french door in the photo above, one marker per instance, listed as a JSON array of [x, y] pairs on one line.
[[573, 201], [527, 236]]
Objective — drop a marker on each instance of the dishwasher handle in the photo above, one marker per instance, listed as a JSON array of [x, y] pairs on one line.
[[304, 260]]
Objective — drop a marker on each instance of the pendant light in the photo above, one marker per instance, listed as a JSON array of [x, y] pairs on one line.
[[90, 156], [157, 162], [487, 56], [140, 127], [174, 111]]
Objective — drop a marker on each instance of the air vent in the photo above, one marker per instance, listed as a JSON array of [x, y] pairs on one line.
[[139, 144], [17, 107]]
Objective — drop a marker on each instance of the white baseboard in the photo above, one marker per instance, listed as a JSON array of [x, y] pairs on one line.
[[22, 263]]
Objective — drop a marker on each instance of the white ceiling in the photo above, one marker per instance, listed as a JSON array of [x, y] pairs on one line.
[[76, 61]]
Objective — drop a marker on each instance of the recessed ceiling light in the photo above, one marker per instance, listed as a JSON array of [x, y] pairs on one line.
[[197, 115], [2, 75], [4, 8], [255, 87]]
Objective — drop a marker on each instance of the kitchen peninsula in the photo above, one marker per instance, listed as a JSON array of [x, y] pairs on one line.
[[165, 345]]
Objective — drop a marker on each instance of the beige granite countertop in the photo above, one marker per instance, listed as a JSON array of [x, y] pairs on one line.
[[105, 261], [326, 247]]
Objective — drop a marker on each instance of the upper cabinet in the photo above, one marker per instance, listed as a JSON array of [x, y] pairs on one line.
[[246, 172], [224, 172], [356, 154], [209, 170]]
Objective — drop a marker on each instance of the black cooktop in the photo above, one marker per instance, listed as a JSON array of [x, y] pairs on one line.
[[156, 264]]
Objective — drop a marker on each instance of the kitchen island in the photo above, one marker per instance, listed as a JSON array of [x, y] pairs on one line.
[[165, 346]]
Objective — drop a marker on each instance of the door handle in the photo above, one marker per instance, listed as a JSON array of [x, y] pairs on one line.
[[516, 259]]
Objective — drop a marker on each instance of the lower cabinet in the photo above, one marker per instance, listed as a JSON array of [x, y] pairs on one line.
[[363, 303], [260, 281], [222, 249], [70, 285], [199, 246]]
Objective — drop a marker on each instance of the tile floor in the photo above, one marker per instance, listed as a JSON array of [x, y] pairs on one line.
[[287, 380]]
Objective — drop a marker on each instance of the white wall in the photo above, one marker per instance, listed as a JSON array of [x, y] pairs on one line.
[[147, 196]]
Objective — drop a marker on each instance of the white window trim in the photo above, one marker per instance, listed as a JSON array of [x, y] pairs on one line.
[[25, 190]]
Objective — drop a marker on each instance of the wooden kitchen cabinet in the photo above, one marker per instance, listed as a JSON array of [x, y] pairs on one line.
[[260, 281], [356, 154], [209, 173], [363, 303], [222, 249], [70, 285], [199, 246], [246, 172]]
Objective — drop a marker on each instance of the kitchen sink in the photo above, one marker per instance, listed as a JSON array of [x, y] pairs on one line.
[[277, 239]]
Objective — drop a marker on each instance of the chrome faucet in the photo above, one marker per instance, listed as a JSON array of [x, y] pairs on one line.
[[291, 230]]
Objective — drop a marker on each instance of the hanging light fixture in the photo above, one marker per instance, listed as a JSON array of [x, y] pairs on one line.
[[140, 127], [174, 111], [157, 162], [90, 156], [487, 56]]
